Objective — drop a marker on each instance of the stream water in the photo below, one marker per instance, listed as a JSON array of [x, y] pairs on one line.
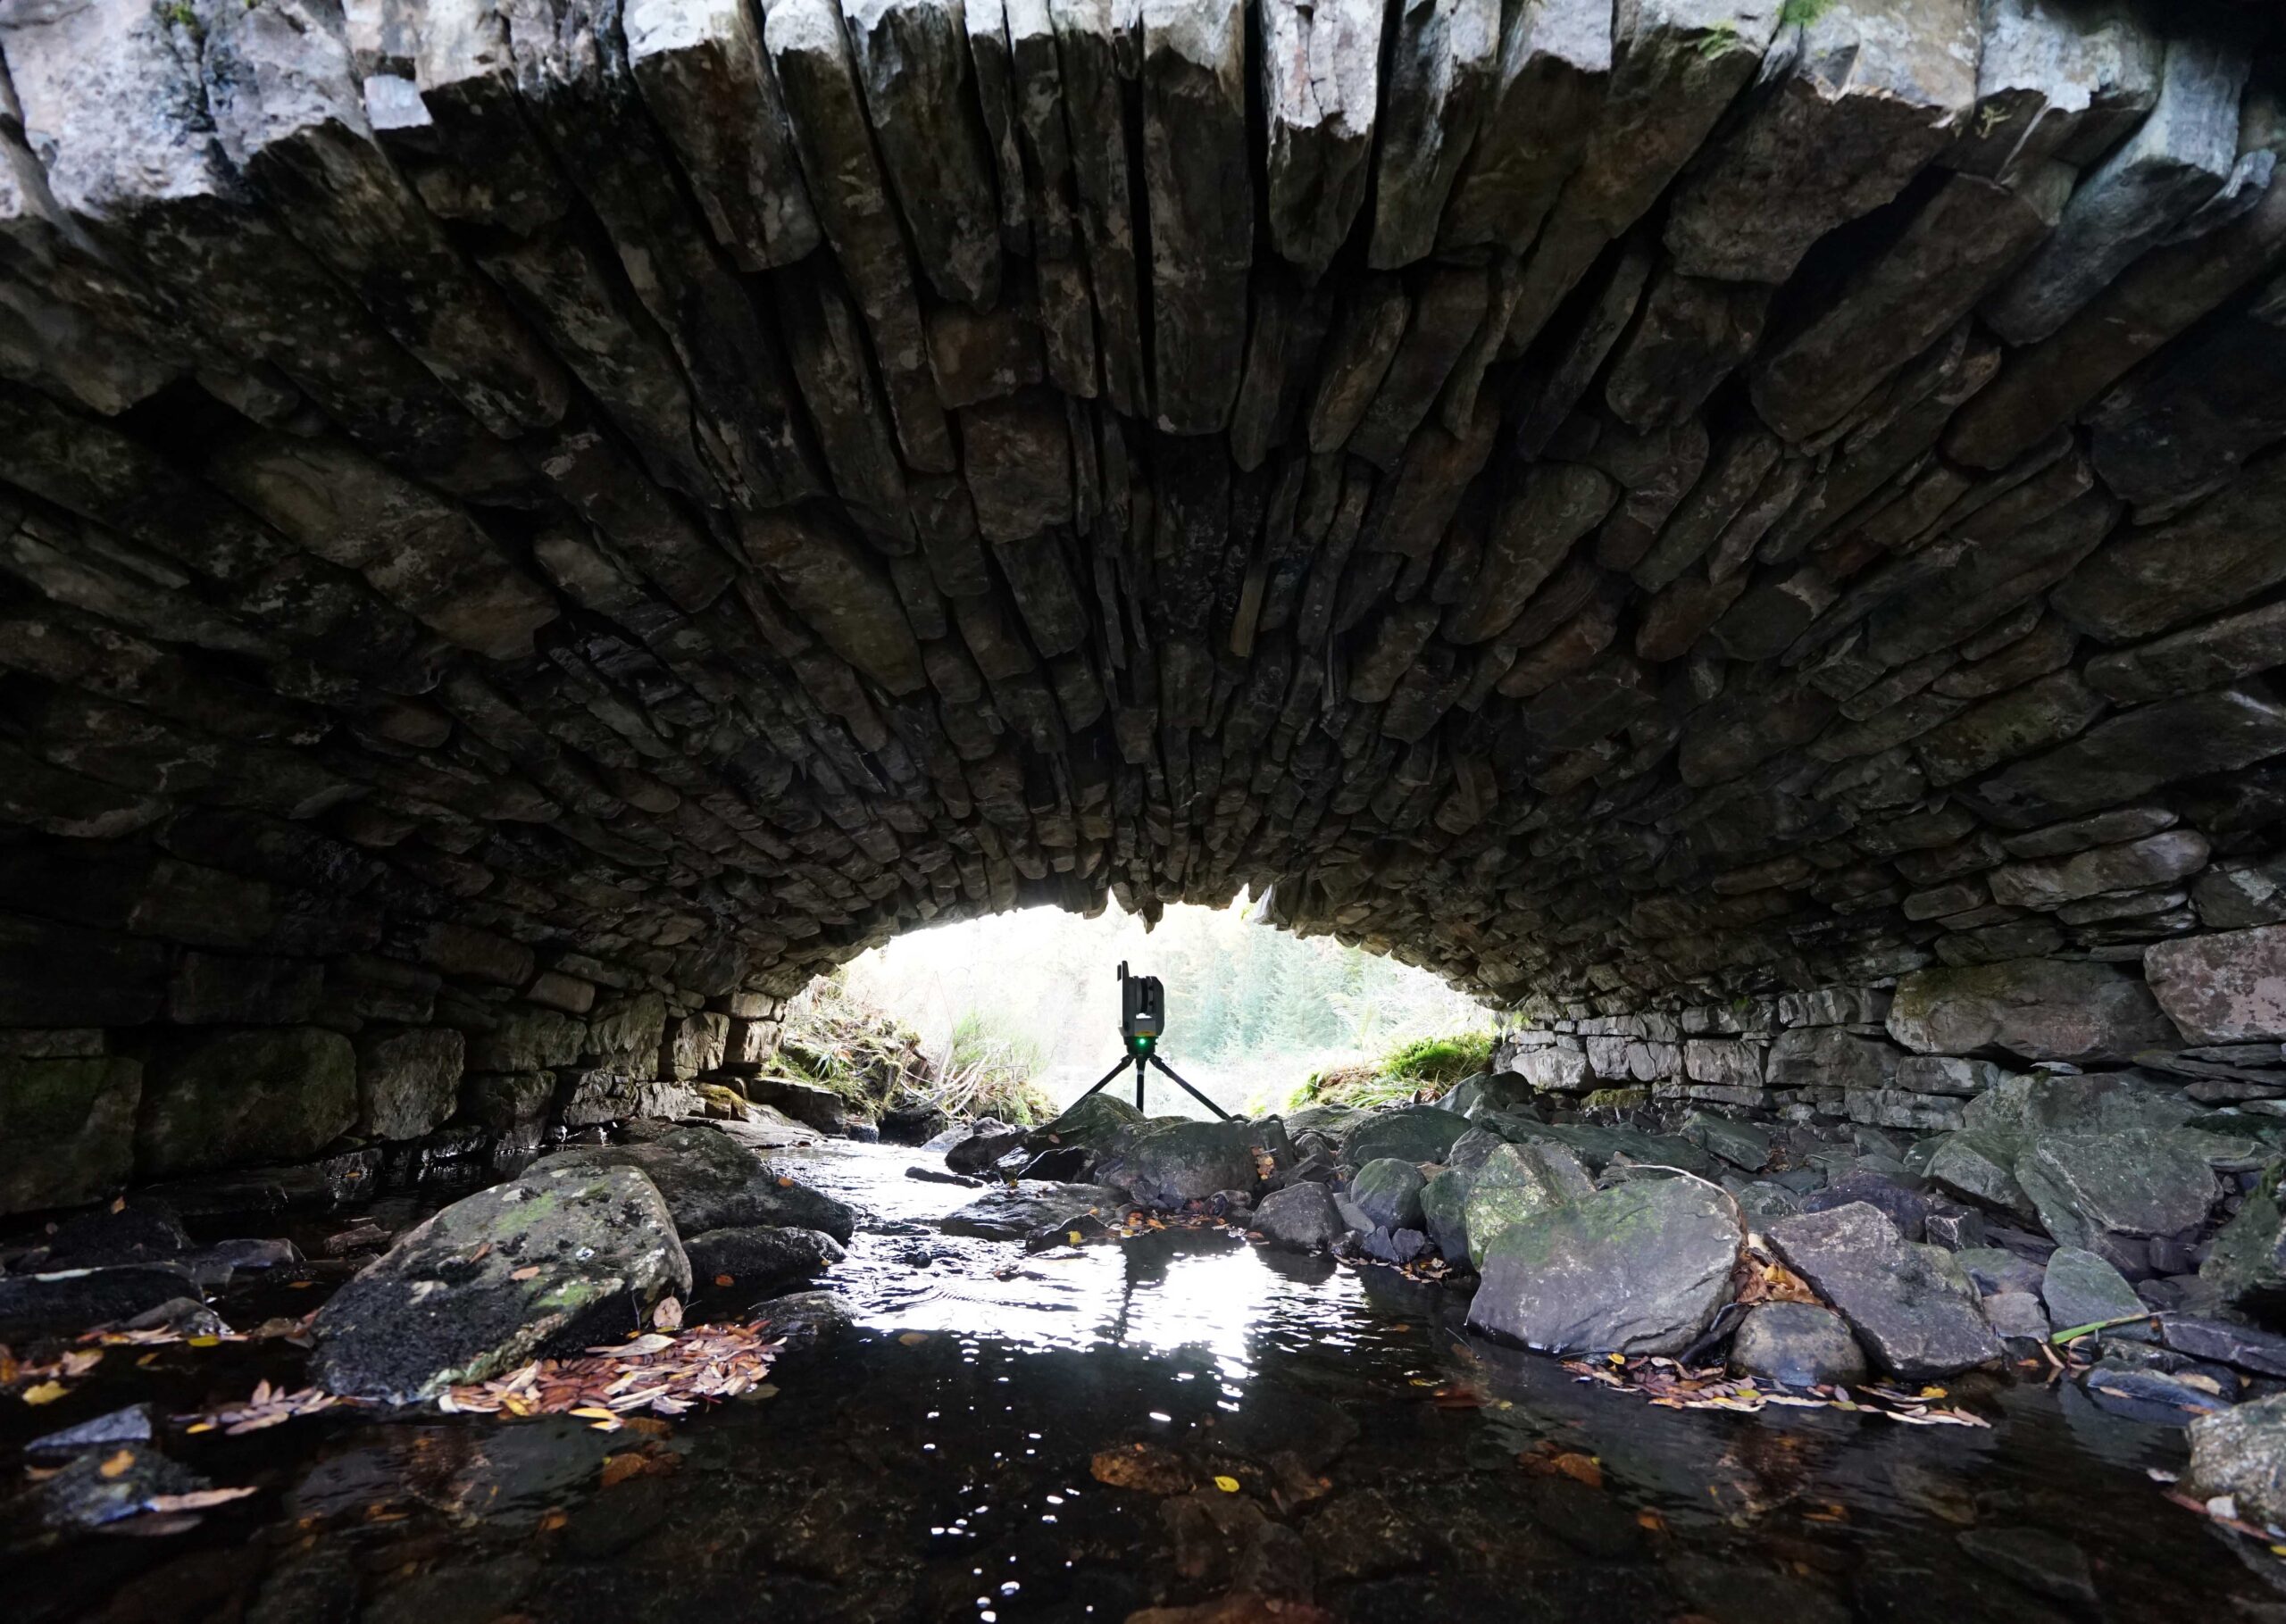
[[1342, 1439]]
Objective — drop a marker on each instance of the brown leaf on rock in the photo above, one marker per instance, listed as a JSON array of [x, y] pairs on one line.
[[1150, 1467]]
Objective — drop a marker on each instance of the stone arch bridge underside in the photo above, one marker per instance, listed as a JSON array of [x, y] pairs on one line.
[[529, 528]]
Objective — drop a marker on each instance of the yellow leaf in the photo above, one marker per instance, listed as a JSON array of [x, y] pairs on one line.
[[200, 1426], [1229, 1485], [596, 1413], [1072, 1236], [118, 1464], [204, 1342], [913, 1339], [528, 1271], [47, 1393]]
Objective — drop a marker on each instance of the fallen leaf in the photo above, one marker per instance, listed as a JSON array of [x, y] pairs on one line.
[[1229, 1485], [79, 1361], [667, 1315], [1149, 1467], [529, 1271], [724, 1280], [1581, 1469], [45, 1392], [1650, 1521], [913, 1339], [119, 1464], [197, 1500], [552, 1519]]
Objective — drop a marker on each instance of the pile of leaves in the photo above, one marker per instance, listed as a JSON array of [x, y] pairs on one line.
[[1673, 1386], [663, 1372], [268, 1407]]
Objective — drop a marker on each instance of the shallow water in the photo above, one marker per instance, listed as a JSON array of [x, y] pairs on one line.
[[938, 1466]]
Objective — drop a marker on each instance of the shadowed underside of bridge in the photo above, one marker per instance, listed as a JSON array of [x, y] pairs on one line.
[[528, 529]]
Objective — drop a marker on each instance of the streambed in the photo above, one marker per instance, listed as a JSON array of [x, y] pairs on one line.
[[1308, 1429]]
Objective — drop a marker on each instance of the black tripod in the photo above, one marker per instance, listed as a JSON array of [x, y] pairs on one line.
[[1142, 1018], [1140, 1059]]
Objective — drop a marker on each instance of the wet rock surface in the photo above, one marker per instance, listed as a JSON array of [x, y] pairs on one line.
[[1916, 1316]]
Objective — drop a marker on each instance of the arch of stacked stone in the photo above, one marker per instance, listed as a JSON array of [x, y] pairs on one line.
[[531, 527]]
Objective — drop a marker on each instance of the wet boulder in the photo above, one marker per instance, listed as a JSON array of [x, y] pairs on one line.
[[1009, 1215], [561, 1257], [1387, 1191], [1413, 1133], [1330, 1121], [262, 1094], [805, 1318], [68, 1300], [139, 1233], [1797, 1344], [1164, 1165], [2241, 1452], [1909, 1304], [1514, 1183], [67, 1127], [712, 1181], [1637, 1268], [106, 1487], [985, 1143], [759, 1254], [1300, 1218]]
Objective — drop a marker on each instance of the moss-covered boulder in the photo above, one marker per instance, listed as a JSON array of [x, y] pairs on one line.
[[1512, 1184], [231, 1097], [557, 1259], [1094, 1124], [67, 1129]]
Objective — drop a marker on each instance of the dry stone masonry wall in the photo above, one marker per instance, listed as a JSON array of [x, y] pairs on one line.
[[529, 528]]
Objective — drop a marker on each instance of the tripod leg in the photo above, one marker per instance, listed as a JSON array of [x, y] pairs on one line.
[[1139, 1084], [1104, 1078], [1187, 1089]]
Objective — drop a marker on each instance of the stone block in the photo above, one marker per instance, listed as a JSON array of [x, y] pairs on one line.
[[220, 989], [1827, 1057], [233, 1097], [2229, 986], [2034, 1009], [408, 1081], [693, 1045], [67, 1129], [1724, 1064], [527, 1038]]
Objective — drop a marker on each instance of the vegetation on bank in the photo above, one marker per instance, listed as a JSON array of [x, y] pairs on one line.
[[838, 1039], [1422, 1070]]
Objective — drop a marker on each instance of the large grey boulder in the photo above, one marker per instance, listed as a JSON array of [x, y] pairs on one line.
[[2132, 1181], [260, 1094], [1908, 1304], [1506, 1091], [1164, 1165], [1387, 1191], [1413, 1133], [1640, 1269], [2241, 1452], [711, 1181], [561, 1257], [2247, 1268]]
